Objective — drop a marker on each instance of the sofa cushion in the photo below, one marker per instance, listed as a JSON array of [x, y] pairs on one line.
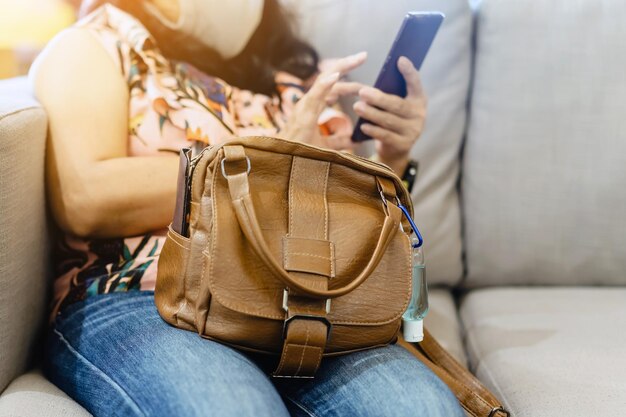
[[32, 395], [550, 351], [443, 323], [545, 160], [339, 28], [23, 239]]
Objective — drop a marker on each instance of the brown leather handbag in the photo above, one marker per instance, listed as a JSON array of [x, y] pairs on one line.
[[290, 250], [295, 251]]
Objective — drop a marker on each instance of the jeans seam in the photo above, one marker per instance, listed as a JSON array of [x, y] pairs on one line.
[[107, 378], [300, 406]]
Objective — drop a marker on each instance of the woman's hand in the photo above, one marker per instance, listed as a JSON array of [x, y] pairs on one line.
[[396, 122], [325, 90]]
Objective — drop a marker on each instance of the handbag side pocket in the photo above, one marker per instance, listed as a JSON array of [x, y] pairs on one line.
[[169, 294]]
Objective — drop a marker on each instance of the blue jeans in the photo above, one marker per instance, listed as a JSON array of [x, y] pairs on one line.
[[115, 356]]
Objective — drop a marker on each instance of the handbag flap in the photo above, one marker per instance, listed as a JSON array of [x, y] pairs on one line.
[[239, 279]]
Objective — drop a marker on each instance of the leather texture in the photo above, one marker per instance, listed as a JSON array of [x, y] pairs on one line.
[[294, 251]]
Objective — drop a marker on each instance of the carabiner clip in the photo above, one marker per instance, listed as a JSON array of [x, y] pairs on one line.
[[420, 240]]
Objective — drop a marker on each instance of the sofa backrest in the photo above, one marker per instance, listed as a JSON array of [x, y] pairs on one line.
[[341, 27], [24, 246], [544, 171]]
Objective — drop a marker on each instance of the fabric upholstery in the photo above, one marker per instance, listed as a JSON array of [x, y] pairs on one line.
[[443, 323], [545, 159], [23, 240], [339, 28], [32, 395], [550, 351]]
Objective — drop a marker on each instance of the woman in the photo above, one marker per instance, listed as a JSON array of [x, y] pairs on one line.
[[122, 99]]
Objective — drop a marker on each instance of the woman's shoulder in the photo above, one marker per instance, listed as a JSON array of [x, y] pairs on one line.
[[73, 52], [72, 76]]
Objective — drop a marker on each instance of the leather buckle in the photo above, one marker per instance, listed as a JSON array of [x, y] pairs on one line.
[[286, 302], [248, 167], [313, 317], [500, 409]]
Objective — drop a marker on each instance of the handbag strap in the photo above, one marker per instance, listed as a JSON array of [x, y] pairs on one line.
[[239, 189], [308, 255], [475, 398]]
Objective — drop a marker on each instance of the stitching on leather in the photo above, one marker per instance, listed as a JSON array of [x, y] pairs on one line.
[[306, 343], [332, 260], [319, 356], [184, 303], [106, 377], [326, 201], [175, 241], [291, 174], [311, 255], [282, 358], [213, 237]]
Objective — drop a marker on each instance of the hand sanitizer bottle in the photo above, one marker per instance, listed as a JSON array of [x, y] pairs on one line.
[[413, 318]]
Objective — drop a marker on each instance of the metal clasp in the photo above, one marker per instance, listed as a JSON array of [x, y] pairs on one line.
[[322, 319], [499, 410], [420, 240]]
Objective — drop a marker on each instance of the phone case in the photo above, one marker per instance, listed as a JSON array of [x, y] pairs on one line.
[[180, 222]]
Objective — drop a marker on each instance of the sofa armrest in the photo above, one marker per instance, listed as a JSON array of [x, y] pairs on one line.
[[24, 246]]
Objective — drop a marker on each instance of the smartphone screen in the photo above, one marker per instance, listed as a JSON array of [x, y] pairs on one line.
[[413, 41]]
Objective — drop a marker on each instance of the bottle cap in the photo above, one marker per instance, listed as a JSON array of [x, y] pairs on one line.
[[413, 330]]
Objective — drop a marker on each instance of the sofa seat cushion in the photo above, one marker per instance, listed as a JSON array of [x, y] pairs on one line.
[[550, 351], [443, 323], [32, 395]]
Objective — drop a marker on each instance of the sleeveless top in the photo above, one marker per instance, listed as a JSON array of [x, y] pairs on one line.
[[172, 105]]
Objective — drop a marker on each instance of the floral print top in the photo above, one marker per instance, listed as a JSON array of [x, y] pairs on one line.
[[172, 105]]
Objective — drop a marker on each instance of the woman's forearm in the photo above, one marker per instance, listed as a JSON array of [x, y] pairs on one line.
[[120, 197]]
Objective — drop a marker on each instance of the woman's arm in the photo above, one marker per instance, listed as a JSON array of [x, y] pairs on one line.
[[94, 188]]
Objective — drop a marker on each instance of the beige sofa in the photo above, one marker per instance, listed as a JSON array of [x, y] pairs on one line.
[[520, 195]]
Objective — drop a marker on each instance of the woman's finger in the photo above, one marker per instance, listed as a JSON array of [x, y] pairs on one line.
[[388, 102], [339, 141], [347, 64], [411, 76], [315, 99], [382, 118], [342, 88], [385, 136]]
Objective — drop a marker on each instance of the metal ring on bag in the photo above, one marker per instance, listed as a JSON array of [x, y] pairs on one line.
[[224, 170], [499, 410]]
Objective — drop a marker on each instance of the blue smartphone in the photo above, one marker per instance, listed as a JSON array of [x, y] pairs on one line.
[[413, 41]]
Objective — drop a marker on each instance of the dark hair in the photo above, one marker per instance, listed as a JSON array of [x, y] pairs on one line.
[[274, 46]]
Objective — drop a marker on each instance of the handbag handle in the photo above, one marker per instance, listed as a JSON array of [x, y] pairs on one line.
[[239, 189]]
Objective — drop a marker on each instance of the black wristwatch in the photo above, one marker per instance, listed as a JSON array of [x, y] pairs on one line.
[[410, 174]]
